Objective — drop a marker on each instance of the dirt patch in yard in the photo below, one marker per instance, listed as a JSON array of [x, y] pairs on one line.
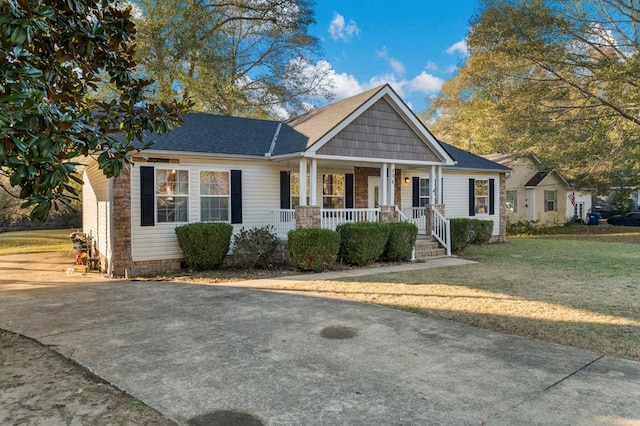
[[39, 386]]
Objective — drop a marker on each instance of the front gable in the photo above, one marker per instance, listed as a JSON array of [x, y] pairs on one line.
[[373, 126], [379, 132]]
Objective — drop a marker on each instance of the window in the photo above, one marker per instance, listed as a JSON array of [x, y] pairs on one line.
[[333, 191], [424, 192], [550, 201], [512, 201], [295, 190], [214, 196], [172, 195], [482, 196]]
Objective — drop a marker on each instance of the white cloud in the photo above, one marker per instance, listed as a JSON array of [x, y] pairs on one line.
[[395, 64], [431, 66], [426, 83], [340, 30], [346, 85], [459, 47]]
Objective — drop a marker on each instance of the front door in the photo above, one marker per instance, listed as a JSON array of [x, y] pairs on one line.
[[374, 192]]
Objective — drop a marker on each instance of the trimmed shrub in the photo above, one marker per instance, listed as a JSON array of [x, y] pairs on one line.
[[462, 233], [204, 245], [484, 231], [313, 249], [254, 247], [469, 231], [363, 242], [402, 239]]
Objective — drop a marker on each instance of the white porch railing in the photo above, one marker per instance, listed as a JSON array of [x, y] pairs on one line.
[[331, 218], [401, 216], [441, 229], [283, 221], [417, 216]]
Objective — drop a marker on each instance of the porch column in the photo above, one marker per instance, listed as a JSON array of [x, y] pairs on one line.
[[439, 184], [313, 183], [433, 185], [392, 184], [383, 185], [303, 182]]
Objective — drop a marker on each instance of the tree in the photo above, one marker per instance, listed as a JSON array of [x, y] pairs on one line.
[[556, 78], [53, 56], [237, 57]]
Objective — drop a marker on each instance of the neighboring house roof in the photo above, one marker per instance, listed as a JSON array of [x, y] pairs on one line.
[[536, 179], [467, 160], [512, 159]]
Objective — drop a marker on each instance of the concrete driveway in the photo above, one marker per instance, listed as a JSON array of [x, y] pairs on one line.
[[234, 355]]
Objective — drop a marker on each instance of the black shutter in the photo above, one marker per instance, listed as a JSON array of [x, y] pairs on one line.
[[472, 197], [348, 191], [285, 190], [492, 193], [415, 197], [147, 196], [236, 196]]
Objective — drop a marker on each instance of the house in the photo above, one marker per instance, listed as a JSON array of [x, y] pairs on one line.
[[367, 157], [540, 196]]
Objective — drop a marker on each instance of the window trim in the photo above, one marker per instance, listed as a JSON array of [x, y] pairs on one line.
[[227, 196], [420, 196], [293, 194], [343, 196], [547, 200], [514, 209], [157, 195], [477, 206]]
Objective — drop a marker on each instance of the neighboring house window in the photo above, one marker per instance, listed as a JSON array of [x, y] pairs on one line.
[[172, 195], [214, 196], [512, 201], [333, 191], [295, 190], [482, 196], [550, 201], [424, 192]]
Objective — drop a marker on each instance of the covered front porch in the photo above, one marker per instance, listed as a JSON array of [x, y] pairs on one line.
[[333, 193]]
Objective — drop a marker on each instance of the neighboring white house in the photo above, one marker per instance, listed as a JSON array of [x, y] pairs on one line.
[[367, 157]]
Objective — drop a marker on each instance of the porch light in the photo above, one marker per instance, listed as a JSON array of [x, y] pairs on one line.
[[407, 180]]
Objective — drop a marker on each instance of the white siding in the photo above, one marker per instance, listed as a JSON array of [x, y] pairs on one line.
[[456, 195], [581, 197], [96, 208], [260, 194]]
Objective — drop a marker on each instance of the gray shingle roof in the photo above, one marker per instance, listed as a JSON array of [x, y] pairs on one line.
[[467, 160], [217, 134]]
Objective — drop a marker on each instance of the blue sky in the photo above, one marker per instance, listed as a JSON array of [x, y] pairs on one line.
[[413, 45]]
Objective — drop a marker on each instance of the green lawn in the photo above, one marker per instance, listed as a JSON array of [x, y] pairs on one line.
[[41, 241], [580, 289]]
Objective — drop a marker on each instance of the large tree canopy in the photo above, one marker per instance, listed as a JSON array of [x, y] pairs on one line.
[[556, 78], [53, 55], [235, 57]]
